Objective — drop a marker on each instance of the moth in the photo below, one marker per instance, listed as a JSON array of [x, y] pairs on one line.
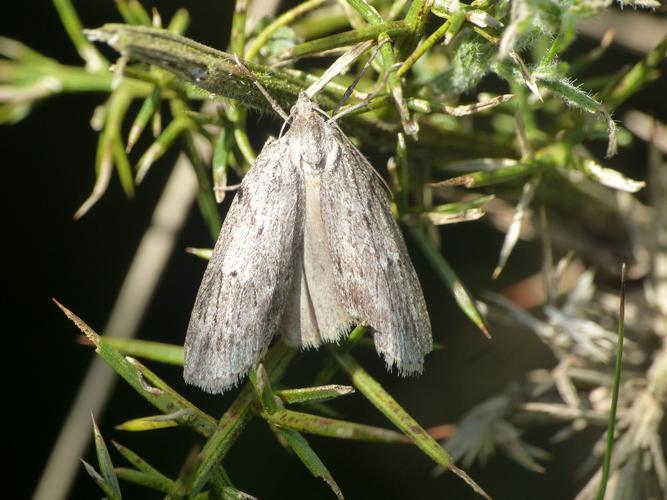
[[308, 249]]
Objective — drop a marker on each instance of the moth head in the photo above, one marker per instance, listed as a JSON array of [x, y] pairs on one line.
[[304, 107]]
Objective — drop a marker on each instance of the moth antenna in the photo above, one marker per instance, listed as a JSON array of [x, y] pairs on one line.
[[358, 78], [338, 67], [368, 98], [274, 104], [322, 112], [229, 187]]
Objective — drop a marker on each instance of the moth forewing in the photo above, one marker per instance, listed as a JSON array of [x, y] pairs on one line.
[[374, 274], [308, 248], [242, 294]]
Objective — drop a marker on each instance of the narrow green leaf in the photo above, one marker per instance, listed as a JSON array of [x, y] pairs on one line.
[[504, 173], [640, 75], [314, 394], [104, 460], [144, 479], [147, 424], [202, 253], [123, 168], [416, 19], [271, 405], [331, 367], [463, 205], [514, 230], [181, 488], [572, 94], [283, 20], [310, 459], [384, 402], [139, 13], [99, 480], [145, 382], [126, 13], [609, 177], [179, 22], [453, 283], [147, 349], [165, 140], [70, 19], [329, 427], [260, 382], [237, 416], [117, 107], [145, 113], [393, 29], [606, 464], [141, 464]]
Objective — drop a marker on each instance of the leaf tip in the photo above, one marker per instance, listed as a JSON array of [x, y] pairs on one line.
[[80, 324]]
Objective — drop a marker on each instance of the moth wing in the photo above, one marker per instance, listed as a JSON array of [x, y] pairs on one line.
[[373, 272], [242, 295]]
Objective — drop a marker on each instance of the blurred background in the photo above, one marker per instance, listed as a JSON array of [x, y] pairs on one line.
[[48, 163]]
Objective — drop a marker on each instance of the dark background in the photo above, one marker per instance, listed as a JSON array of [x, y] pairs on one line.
[[48, 168]]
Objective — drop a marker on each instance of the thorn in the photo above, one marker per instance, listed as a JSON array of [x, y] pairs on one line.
[[80, 324]]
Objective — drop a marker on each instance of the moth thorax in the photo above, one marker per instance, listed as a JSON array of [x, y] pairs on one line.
[[308, 138]]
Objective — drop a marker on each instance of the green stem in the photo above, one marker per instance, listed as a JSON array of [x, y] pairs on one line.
[[606, 464], [237, 416], [640, 75], [452, 25], [416, 19], [68, 16], [283, 20], [393, 29], [237, 40]]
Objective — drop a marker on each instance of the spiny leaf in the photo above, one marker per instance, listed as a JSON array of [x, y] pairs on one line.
[[310, 459], [609, 177], [104, 460], [118, 104], [509, 171], [512, 234], [202, 253], [272, 406], [237, 417], [145, 382], [144, 479], [314, 394], [154, 422], [99, 480], [461, 294], [160, 146], [147, 349], [139, 462], [147, 110], [384, 402], [329, 427]]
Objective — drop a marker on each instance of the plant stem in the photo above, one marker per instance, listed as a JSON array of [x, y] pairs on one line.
[[70, 19], [394, 29], [452, 25], [237, 416], [606, 464], [283, 20]]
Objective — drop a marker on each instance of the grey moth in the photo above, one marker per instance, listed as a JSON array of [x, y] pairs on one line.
[[309, 248]]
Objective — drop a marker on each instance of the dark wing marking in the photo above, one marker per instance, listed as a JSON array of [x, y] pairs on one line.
[[242, 295], [373, 271]]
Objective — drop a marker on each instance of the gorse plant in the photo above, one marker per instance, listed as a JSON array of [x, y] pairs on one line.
[[526, 140]]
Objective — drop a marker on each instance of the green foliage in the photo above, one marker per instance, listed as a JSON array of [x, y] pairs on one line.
[[519, 144]]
